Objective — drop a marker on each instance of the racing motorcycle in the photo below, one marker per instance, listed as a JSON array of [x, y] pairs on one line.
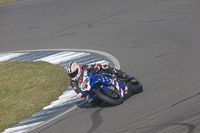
[[108, 88]]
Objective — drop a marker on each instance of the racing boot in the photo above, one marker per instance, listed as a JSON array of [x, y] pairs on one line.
[[130, 78], [123, 75]]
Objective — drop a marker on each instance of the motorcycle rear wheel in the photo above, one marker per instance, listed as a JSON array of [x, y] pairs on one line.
[[136, 86]]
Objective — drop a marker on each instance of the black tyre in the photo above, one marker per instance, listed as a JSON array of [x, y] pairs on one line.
[[101, 94], [136, 86]]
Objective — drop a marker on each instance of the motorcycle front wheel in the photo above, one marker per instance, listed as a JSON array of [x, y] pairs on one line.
[[113, 98]]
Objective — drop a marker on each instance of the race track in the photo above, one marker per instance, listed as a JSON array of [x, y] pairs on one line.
[[157, 41]]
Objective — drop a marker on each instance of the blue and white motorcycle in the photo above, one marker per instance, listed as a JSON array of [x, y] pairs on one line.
[[108, 87]]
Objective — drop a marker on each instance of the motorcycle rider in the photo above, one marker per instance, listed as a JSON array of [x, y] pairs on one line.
[[75, 73]]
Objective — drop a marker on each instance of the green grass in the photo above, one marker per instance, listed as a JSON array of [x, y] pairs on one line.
[[7, 1], [27, 87]]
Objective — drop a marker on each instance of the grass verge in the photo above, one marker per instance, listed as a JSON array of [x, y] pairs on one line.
[[7, 1], [27, 87]]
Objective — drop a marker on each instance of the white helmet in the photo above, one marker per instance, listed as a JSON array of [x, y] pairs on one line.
[[74, 71]]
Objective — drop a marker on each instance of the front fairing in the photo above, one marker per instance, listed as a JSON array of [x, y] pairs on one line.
[[101, 80], [88, 85], [106, 80]]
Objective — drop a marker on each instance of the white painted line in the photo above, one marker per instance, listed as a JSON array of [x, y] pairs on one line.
[[9, 56], [22, 131]]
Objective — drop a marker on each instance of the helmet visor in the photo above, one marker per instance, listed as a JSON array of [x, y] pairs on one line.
[[74, 74]]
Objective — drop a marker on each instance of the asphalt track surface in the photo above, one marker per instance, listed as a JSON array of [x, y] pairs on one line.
[[157, 41]]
